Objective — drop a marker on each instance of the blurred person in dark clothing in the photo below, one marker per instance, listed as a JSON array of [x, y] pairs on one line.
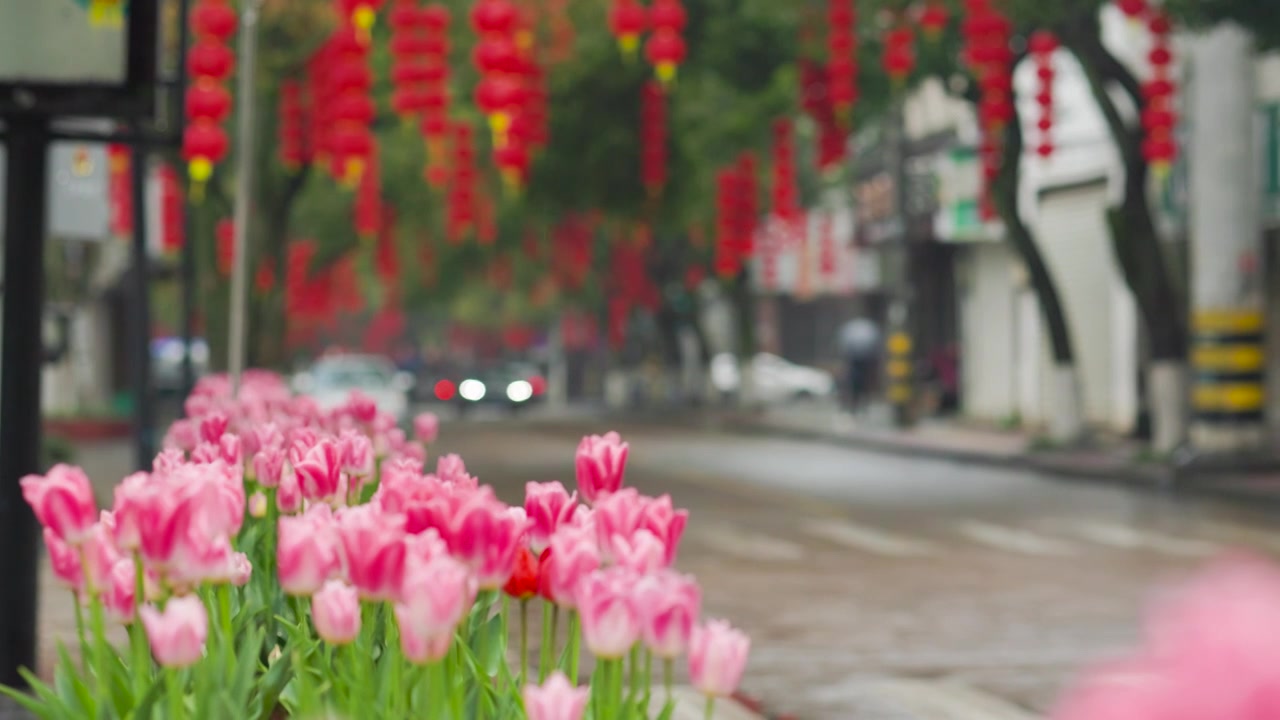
[[860, 347]]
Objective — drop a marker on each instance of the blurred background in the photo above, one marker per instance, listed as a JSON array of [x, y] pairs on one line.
[[861, 280]]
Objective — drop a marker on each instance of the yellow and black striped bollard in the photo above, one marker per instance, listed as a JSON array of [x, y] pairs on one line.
[[1228, 362]]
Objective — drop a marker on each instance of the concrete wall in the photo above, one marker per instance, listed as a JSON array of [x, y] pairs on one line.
[[988, 349]]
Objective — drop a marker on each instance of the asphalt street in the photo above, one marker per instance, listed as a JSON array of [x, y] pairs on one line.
[[883, 587]]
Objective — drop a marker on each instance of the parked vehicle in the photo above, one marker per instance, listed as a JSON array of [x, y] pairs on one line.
[[512, 386], [774, 379], [332, 379]]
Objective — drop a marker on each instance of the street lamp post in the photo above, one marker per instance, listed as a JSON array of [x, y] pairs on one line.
[[244, 190]]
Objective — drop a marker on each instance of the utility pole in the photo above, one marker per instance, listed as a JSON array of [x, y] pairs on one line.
[[900, 370], [1227, 296], [144, 420], [244, 190]]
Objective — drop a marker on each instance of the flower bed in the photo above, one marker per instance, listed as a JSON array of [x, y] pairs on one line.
[[280, 560]]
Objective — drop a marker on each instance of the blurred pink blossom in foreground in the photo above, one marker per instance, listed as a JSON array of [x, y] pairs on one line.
[[1211, 650]]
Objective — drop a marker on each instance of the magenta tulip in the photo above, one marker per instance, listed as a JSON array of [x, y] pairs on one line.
[[601, 463], [307, 551], [65, 560], [548, 506], [62, 501], [660, 518], [426, 427], [268, 465], [434, 598], [610, 618], [669, 607], [571, 555], [320, 472], [120, 597], [373, 550], [642, 553]]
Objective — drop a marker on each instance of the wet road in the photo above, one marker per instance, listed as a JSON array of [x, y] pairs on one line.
[[890, 588]]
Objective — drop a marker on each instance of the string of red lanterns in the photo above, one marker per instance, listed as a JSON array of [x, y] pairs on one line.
[[653, 138], [172, 230], [460, 217], [665, 49], [786, 199], [842, 53], [353, 109], [1158, 118], [628, 20], [293, 132], [210, 62], [933, 20], [410, 74], [899, 57], [435, 19], [367, 208], [361, 14], [1042, 46], [986, 34]]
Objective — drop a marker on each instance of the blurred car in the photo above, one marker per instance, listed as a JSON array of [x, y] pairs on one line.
[[166, 363], [331, 380], [512, 386], [775, 379]]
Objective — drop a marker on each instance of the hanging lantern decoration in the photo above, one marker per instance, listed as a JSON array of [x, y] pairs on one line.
[[120, 189], [728, 261], [1132, 9], [666, 49], [353, 108], [1042, 46], [827, 246], [224, 246], [210, 62], [933, 20], [786, 201], [368, 201], [386, 260], [899, 56], [460, 216], [842, 53], [499, 94], [1158, 118], [361, 14], [409, 71], [292, 126], [746, 215], [628, 20], [264, 279], [434, 20], [653, 138], [986, 38], [319, 94], [172, 229]]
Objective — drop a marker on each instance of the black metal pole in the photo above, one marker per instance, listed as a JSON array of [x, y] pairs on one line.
[[187, 268], [24, 227], [140, 319]]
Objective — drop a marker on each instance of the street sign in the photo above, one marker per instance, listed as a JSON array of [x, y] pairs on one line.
[[67, 57], [79, 200]]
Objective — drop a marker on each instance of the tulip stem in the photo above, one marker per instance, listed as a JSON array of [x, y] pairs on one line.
[[633, 674], [99, 648], [84, 645], [575, 645], [177, 708], [648, 682], [141, 671], [668, 676], [546, 652], [711, 708], [524, 641], [435, 685]]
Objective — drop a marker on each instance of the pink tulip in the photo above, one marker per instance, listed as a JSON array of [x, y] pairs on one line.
[[660, 518], [301, 440], [361, 408], [571, 555], [555, 700], [486, 535], [183, 435], [618, 515], [601, 463], [65, 561], [426, 427], [177, 634], [717, 658], [307, 551], [62, 501], [435, 597], [128, 507], [199, 559], [213, 426], [120, 597], [610, 618], [373, 550], [320, 472], [258, 505], [548, 505], [99, 555], [411, 451], [289, 492], [357, 454], [335, 610], [241, 569], [450, 468], [167, 461], [642, 553], [268, 465], [669, 607]]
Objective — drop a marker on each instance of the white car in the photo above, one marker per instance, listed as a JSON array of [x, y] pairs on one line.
[[774, 379], [331, 380]]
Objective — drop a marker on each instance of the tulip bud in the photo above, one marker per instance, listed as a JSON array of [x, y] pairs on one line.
[[556, 699], [62, 501], [335, 610], [717, 658], [177, 634], [600, 465]]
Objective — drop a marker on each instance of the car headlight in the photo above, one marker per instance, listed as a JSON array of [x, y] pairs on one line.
[[519, 391], [472, 390]]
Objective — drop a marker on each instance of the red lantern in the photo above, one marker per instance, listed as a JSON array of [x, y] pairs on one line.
[[214, 19], [668, 14], [207, 102], [841, 86], [627, 20], [786, 203], [494, 17], [665, 50], [933, 20], [1042, 45], [203, 144], [899, 57], [512, 160], [1132, 8], [119, 189], [1158, 119], [728, 260], [745, 232], [225, 250], [361, 14], [653, 138], [172, 232]]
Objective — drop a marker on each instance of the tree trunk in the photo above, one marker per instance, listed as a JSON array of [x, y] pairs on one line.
[[1136, 244], [744, 314], [268, 348], [1067, 423]]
